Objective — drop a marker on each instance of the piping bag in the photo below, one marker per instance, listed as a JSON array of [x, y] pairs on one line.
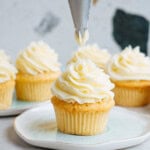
[[80, 14]]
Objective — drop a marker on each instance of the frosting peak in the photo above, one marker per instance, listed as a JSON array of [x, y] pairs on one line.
[[130, 64], [99, 56], [3, 56], [83, 82], [37, 58], [7, 70]]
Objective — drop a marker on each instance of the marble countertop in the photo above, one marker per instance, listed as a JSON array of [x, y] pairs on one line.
[[50, 21]]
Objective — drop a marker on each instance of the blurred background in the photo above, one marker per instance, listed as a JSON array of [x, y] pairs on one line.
[[113, 24]]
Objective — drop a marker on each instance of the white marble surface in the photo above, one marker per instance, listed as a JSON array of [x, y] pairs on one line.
[[18, 20]]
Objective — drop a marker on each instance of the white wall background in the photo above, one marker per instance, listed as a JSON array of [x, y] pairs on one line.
[[18, 19]]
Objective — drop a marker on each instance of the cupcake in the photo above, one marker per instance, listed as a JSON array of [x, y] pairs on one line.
[[37, 68], [99, 56], [7, 81], [130, 71], [82, 99]]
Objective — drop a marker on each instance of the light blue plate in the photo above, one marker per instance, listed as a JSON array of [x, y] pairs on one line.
[[18, 107], [125, 128]]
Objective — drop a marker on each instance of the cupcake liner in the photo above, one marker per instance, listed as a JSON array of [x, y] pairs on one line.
[[34, 88], [80, 121], [29, 91], [131, 97], [6, 94]]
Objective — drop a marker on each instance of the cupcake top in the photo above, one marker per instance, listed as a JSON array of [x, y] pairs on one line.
[[37, 58], [83, 82], [94, 53], [7, 70], [3, 56], [130, 64]]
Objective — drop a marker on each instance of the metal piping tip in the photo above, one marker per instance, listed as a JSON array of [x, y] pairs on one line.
[[95, 2], [80, 15], [81, 37]]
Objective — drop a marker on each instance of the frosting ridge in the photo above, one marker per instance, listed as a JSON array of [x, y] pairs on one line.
[[130, 64], [37, 58], [99, 56], [83, 82], [7, 70]]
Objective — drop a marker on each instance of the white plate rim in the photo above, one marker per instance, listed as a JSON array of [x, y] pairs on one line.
[[131, 141], [15, 111]]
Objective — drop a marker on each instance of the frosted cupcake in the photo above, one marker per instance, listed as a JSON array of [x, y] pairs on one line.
[[7, 81], [82, 99], [130, 71], [38, 67], [99, 56]]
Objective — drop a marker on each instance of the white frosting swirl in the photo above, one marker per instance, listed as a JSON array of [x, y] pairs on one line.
[[7, 70], [99, 56], [37, 58], [3, 56], [83, 82], [130, 64]]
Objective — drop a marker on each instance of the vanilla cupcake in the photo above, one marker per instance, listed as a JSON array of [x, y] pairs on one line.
[[130, 71], [82, 99], [99, 56], [7, 81], [38, 67]]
